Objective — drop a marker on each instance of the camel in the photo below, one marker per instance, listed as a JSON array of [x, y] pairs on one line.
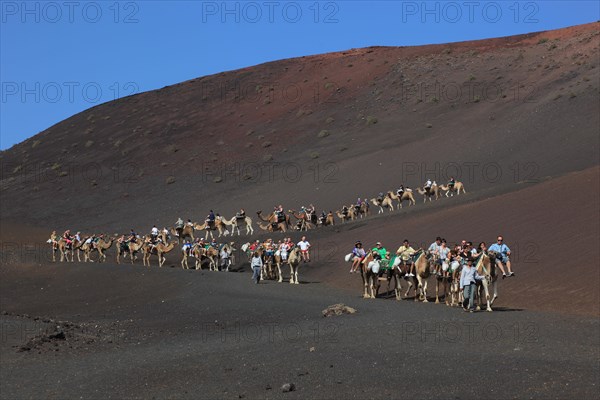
[[304, 223], [182, 233], [294, 263], [101, 246], [54, 238], [458, 187], [387, 203], [234, 222], [350, 214], [200, 254], [273, 227], [65, 250], [369, 277], [328, 221], [130, 248], [486, 266], [217, 226], [272, 219], [160, 250], [455, 293], [362, 210], [60, 244], [434, 191], [399, 271], [278, 261], [406, 195], [422, 273]]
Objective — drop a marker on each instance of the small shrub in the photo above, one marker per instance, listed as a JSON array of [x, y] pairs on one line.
[[218, 179], [323, 133], [428, 125], [89, 143], [314, 155], [542, 41], [170, 180], [329, 85], [171, 149], [329, 120], [63, 174], [267, 157], [35, 143], [371, 120], [266, 144]]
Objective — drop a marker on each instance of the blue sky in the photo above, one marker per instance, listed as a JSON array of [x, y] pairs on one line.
[[59, 58]]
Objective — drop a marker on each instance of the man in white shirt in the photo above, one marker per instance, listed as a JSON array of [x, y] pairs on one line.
[[154, 232], [304, 247]]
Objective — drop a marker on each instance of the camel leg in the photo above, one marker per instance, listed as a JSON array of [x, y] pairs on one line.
[[495, 285], [366, 285], [279, 273], [296, 275], [437, 289]]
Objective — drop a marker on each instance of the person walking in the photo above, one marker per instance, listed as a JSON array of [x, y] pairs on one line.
[[256, 265]]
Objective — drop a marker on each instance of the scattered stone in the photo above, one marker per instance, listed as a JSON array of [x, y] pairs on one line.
[[288, 387], [338, 309]]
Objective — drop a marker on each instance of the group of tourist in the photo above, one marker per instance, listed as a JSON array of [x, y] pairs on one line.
[[269, 249], [447, 262]]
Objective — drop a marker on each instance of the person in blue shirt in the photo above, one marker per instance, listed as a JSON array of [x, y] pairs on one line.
[[503, 256], [468, 278]]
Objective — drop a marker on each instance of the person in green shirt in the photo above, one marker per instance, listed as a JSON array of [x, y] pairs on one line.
[[379, 249]]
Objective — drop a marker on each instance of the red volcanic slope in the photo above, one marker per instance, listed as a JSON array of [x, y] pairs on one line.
[[361, 121], [501, 114]]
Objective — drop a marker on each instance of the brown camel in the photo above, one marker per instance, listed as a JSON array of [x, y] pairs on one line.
[[200, 254], [273, 227], [272, 218], [422, 274], [349, 216], [294, 263], [434, 191], [160, 250], [486, 266], [182, 233], [406, 195], [458, 187], [386, 202], [131, 248], [369, 277], [304, 222], [217, 226], [329, 220], [101, 247]]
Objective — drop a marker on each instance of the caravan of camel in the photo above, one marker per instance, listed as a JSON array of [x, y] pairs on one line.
[[220, 256]]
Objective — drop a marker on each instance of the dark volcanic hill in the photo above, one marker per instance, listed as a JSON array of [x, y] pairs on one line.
[[323, 129]]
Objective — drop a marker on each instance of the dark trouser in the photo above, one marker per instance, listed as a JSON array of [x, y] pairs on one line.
[[469, 295], [256, 274]]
